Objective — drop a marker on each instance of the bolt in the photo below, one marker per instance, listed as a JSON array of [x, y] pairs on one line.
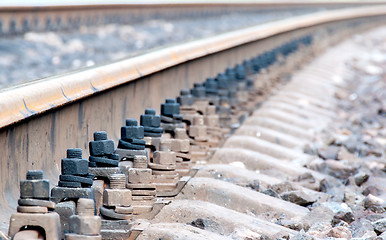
[[184, 92], [211, 110], [85, 207], [98, 136], [149, 111], [166, 145], [131, 122], [180, 133], [198, 120], [118, 181], [74, 153], [34, 174], [140, 161], [170, 100]]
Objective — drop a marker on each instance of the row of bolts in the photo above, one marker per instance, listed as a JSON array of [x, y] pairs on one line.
[[151, 158]]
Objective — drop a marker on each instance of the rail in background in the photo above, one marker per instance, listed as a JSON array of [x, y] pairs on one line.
[[17, 20], [40, 120]]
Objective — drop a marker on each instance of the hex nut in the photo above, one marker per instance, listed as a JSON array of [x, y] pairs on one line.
[[185, 100], [166, 144], [35, 189], [198, 91], [85, 207], [212, 121], [180, 133], [140, 175], [85, 225], [101, 147], [74, 166], [150, 120], [180, 145], [197, 131], [170, 107], [117, 197], [164, 157], [132, 132]]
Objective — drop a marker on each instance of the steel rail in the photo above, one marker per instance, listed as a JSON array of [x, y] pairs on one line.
[[264, 4], [30, 99], [39, 120], [19, 19]]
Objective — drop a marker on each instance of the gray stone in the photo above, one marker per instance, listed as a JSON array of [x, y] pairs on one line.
[[318, 215], [271, 193], [373, 203], [342, 211], [361, 178], [295, 225], [283, 187], [375, 217], [298, 197], [381, 237], [333, 168], [301, 236], [340, 232], [255, 185], [331, 152], [362, 228], [380, 226], [372, 190]]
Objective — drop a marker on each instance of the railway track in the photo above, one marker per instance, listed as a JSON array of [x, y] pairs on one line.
[[247, 155]]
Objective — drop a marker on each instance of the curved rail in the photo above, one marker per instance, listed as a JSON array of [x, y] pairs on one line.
[[34, 98], [19, 19], [39, 120]]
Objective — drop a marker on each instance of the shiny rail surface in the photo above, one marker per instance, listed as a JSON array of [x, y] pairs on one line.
[[20, 19], [40, 120]]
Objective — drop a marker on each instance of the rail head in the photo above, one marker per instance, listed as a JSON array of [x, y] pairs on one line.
[[27, 100], [22, 6]]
